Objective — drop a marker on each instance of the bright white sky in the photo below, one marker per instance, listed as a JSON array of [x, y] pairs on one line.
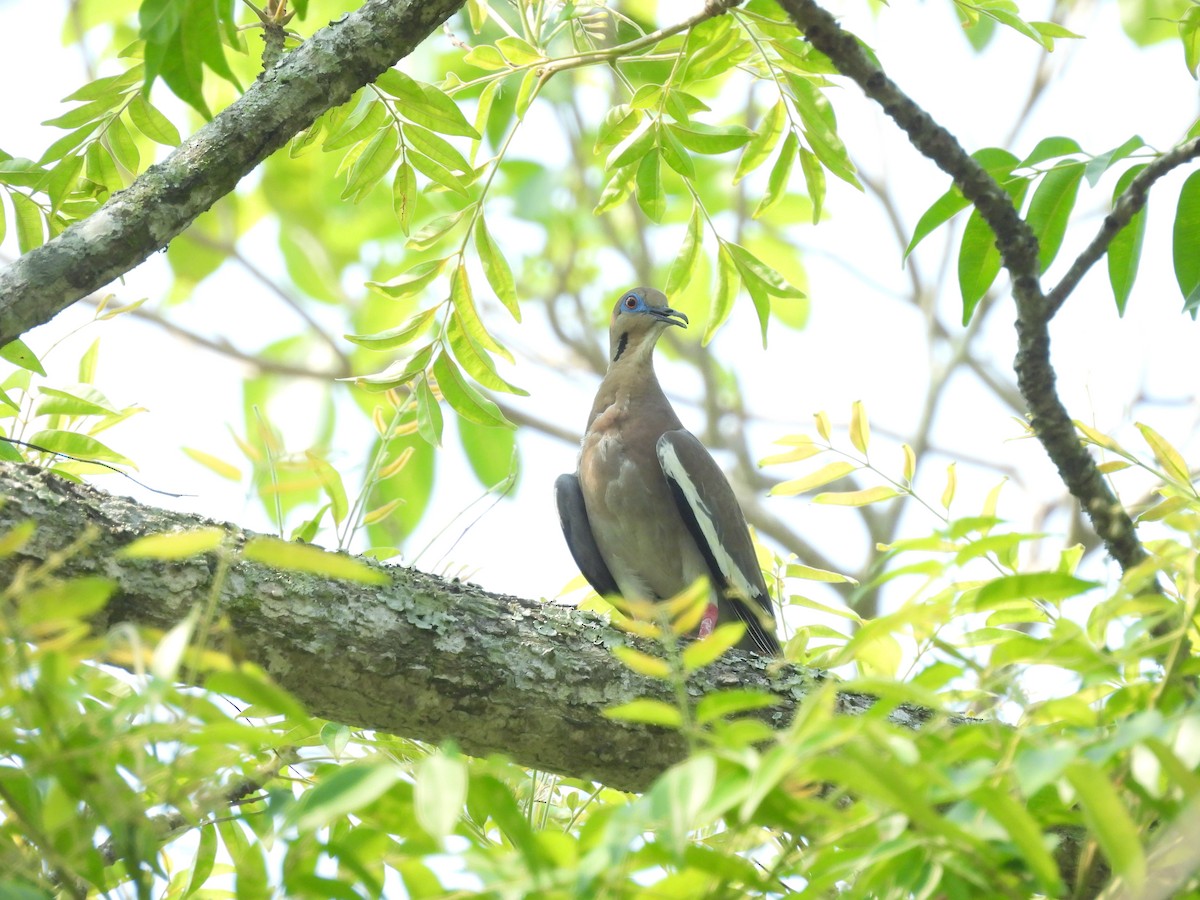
[[860, 343]]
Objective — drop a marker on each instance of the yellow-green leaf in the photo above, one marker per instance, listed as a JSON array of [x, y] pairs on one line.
[[866, 496], [222, 468], [496, 269], [177, 545], [809, 573], [306, 558], [699, 654], [823, 475], [860, 428], [646, 712], [1168, 457], [643, 663], [951, 484], [822, 425]]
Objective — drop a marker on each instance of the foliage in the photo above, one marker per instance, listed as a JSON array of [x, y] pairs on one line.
[[709, 139]]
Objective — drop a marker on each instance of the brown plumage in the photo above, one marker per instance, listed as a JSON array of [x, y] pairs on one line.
[[649, 510]]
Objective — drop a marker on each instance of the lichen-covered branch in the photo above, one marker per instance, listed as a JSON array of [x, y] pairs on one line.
[[420, 656], [1019, 252], [322, 73]]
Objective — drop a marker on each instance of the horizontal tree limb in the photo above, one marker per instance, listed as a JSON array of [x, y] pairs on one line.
[[420, 656]]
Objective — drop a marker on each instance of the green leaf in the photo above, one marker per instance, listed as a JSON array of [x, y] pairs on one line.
[[307, 558], [475, 359], [1098, 165], [78, 400], [110, 84], [410, 284], [343, 790], [616, 191], [17, 353], [762, 142], [404, 195], [176, 545], [463, 397], [1050, 207], [79, 446], [67, 601], [434, 231], [486, 57], [429, 413], [725, 294], [403, 334], [1185, 238], [1025, 833], [152, 123], [648, 182], [439, 792], [492, 452], [89, 112], [375, 160], [483, 112], [463, 301], [426, 105], [101, 168], [68, 142], [1050, 148], [814, 181], [777, 182], [181, 37], [647, 712], [437, 173], [1125, 250], [30, 233], [517, 51], [124, 148], [674, 154], [710, 139], [978, 263], [820, 129], [331, 483], [619, 123], [1109, 821], [437, 148], [1189, 35], [496, 269], [632, 149], [1043, 585], [684, 266]]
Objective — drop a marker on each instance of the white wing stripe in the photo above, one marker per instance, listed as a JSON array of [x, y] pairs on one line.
[[674, 469]]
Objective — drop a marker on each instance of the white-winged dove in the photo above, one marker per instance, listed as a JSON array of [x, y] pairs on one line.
[[649, 511]]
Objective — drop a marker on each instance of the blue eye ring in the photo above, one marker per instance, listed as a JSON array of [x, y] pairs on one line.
[[631, 301]]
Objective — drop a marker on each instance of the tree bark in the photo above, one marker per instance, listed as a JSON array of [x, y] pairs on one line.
[[322, 73], [419, 656]]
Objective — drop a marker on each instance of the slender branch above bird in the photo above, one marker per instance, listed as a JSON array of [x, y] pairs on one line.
[[649, 511]]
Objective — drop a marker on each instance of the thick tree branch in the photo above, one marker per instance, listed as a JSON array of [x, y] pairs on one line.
[[420, 656], [1019, 252], [322, 73]]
